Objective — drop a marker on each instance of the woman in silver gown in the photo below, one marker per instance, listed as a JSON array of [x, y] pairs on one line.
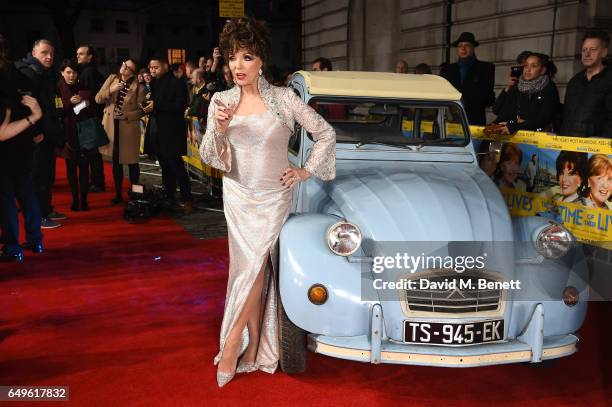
[[247, 134]]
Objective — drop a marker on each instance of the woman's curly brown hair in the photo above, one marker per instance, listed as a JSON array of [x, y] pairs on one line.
[[245, 33]]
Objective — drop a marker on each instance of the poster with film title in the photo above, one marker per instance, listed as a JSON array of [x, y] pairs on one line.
[[541, 173]]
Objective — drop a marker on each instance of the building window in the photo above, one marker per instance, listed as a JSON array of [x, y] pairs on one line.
[[122, 27], [97, 25], [122, 54], [176, 56], [101, 56]]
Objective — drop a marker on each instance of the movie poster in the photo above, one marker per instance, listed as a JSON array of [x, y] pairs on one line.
[[568, 178]]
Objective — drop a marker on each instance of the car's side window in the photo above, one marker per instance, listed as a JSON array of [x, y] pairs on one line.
[[296, 137]]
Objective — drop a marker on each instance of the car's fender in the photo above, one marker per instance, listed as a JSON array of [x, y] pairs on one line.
[[543, 281], [305, 260]]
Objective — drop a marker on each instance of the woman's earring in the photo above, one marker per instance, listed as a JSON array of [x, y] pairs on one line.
[[260, 72]]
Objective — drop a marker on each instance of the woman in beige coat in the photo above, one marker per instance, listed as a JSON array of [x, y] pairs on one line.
[[122, 96]]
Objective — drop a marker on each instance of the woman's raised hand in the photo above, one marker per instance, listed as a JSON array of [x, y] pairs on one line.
[[223, 115], [511, 82], [116, 87]]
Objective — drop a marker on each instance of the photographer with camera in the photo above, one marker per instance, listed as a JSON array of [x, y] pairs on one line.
[[19, 115], [530, 105]]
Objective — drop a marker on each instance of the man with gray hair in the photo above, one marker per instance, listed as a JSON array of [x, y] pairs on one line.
[[37, 67]]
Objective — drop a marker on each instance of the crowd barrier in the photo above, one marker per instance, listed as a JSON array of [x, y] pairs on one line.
[[546, 174], [193, 161]]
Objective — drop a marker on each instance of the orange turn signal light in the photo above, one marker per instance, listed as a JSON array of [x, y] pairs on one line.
[[317, 294], [571, 296]]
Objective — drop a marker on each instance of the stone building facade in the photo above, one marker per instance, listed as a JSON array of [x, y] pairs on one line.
[[372, 35]]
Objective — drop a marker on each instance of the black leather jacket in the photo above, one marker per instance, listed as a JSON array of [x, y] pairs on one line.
[[42, 84], [588, 106]]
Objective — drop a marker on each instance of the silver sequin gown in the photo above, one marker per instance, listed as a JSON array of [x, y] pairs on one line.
[[253, 154]]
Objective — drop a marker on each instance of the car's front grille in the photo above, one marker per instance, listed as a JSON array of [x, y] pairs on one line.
[[465, 298]]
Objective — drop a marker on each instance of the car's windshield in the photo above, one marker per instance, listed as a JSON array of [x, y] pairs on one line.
[[393, 123]]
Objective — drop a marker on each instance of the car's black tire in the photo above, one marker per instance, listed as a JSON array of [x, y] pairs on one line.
[[292, 341]]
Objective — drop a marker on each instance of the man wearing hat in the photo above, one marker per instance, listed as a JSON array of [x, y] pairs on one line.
[[473, 78]]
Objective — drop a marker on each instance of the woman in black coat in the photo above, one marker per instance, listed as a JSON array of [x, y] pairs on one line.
[[533, 103]]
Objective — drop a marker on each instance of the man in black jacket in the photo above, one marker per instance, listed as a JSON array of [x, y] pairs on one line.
[[588, 98], [15, 164], [168, 132], [91, 79], [38, 68], [473, 78]]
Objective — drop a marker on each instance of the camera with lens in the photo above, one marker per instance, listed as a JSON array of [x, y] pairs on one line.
[[143, 204]]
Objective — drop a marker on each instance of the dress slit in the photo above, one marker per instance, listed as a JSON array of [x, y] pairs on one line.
[[267, 308]]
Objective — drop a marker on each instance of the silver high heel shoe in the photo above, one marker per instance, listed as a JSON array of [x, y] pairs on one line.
[[246, 367], [224, 378]]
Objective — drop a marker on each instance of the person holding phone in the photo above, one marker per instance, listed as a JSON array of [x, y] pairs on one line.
[[514, 74], [123, 97], [78, 159], [247, 133], [533, 103]]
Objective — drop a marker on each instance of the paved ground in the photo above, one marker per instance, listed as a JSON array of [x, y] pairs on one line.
[[207, 220]]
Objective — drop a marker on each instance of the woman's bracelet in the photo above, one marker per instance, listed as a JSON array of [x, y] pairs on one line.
[[29, 120]]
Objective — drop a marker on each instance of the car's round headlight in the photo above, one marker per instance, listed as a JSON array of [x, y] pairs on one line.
[[343, 238], [553, 241]]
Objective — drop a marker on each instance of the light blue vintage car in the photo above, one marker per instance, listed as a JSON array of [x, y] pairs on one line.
[[408, 182]]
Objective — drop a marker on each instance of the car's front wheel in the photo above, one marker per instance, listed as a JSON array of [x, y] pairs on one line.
[[292, 340]]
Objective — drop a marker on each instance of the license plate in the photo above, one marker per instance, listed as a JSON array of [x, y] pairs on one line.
[[454, 334]]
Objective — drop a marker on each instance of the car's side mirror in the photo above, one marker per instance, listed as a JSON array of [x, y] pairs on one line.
[[493, 147]]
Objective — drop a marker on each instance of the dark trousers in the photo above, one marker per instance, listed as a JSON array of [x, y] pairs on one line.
[[97, 169], [134, 169], [173, 169], [18, 187], [43, 176], [77, 171]]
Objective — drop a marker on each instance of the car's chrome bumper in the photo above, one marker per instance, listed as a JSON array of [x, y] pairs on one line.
[[358, 349], [531, 346]]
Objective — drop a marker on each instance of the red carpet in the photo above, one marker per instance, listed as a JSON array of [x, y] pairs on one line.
[[129, 315]]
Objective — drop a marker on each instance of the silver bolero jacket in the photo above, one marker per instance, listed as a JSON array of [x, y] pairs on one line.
[[286, 107]]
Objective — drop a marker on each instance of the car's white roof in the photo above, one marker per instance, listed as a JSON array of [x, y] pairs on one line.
[[379, 84]]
